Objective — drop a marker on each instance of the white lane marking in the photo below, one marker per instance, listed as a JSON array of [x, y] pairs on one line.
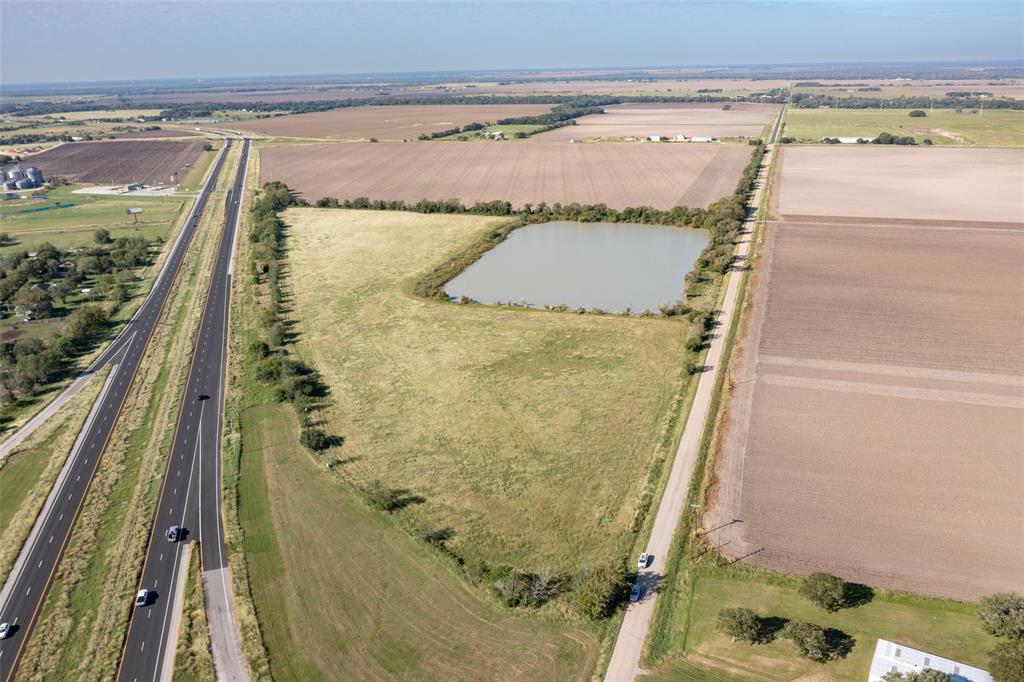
[[51, 540]]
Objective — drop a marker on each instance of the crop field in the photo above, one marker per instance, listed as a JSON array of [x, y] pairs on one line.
[[151, 162], [384, 122], [528, 433], [993, 128], [878, 409], [619, 175], [875, 181], [642, 120]]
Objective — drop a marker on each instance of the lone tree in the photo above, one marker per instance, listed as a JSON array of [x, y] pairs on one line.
[[918, 113], [740, 624], [101, 236], [824, 590], [810, 640], [1002, 615], [1006, 661]]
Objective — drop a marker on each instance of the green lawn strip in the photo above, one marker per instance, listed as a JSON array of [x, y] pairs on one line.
[[193, 180], [947, 628], [193, 661], [993, 128], [20, 473]]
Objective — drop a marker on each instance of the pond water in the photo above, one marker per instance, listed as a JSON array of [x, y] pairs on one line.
[[590, 265]]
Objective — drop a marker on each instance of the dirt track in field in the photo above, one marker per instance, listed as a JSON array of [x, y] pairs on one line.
[[875, 181], [398, 122], [117, 162], [667, 120], [619, 175], [876, 424]]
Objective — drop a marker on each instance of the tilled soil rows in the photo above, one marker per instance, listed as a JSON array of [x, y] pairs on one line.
[[148, 161], [619, 175]]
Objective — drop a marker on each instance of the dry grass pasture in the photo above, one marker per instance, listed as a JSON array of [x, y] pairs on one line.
[[115, 162], [384, 122], [876, 181], [643, 120], [528, 433], [877, 416], [374, 603], [619, 175]]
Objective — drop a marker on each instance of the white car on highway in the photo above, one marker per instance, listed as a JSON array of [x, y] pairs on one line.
[[142, 598], [5, 630]]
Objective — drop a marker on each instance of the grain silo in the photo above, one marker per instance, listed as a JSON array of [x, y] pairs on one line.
[[35, 175]]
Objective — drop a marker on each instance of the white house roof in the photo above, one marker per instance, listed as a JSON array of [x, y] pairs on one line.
[[890, 656]]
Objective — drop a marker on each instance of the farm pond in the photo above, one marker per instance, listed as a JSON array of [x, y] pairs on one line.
[[610, 266]]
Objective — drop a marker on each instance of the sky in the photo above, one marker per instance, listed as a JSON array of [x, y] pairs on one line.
[[43, 41]]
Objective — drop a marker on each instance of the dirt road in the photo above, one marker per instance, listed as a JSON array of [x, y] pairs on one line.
[[625, 661]]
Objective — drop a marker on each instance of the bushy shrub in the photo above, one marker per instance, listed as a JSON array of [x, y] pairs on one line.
[[824, 591]]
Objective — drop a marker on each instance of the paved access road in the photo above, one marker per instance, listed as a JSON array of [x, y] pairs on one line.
[[30, 579], [190, 492], [625, 661]]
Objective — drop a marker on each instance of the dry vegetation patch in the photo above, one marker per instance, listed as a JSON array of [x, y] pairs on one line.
[[527, 433], [619, 175]]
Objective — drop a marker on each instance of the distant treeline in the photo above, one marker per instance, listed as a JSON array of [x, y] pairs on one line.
[[207, 109], [803, 100]]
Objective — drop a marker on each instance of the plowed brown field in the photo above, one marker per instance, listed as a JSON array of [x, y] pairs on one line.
[[386, 122], [876, 181], [117, 162], [619, 175], [644, 120], [876, 424]]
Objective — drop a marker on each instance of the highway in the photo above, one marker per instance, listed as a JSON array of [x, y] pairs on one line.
[[190, 492], [33, 572], [624, 664]]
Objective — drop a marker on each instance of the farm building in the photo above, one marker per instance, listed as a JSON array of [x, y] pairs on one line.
[[702, 138], [892, 657], [654, 138]]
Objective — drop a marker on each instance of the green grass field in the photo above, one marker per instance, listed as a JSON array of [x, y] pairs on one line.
[[73, 227], [528, 433], [946, 628], [994, 128]]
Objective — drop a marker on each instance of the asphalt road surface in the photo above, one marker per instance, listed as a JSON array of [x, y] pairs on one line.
[[32, 575], [624, 665], [190, 493]]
